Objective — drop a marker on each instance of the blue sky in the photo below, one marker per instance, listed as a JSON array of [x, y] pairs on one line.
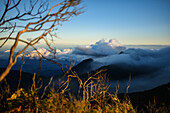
[[129, 21]]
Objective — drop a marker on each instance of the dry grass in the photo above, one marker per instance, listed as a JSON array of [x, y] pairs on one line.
[[93, 98]]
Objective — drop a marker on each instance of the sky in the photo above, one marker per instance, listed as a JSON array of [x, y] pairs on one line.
[[136, 22], [131, 22]]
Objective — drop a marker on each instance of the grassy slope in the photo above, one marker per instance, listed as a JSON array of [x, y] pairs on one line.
[[161, 94]]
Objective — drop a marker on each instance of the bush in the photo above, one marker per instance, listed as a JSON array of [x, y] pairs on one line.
[[93, 99]]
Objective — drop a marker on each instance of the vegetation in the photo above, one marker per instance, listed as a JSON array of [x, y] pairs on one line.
[[93, 99]]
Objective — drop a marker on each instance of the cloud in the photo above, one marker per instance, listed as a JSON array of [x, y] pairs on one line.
[[34, 54], [65, 51], [144, 82], [149, 68], [47, 53], [7, 51], [100, 48], [139, 57]]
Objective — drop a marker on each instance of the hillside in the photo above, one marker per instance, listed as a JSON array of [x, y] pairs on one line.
[[139, 99]]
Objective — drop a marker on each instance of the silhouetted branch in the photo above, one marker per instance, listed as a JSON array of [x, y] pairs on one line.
[[8, 37], [66, 9]]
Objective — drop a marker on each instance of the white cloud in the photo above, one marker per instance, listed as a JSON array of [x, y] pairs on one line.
[[101, 48], [153, 58], [7, 51], [34, 54], [65, 51], [47, 53]]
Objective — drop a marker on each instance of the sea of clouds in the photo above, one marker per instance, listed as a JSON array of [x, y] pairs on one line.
[[154, 62]]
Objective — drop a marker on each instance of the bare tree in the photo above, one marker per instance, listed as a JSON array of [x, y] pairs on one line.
[[38, 17]]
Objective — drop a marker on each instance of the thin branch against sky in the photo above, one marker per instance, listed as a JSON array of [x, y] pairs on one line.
[[142, 22]]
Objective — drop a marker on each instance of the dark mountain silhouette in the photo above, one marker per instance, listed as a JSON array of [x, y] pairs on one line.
[[13, 77], [160, 94], [83, 67]]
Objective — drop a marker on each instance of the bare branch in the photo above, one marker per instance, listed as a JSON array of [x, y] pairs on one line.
[[52, 18], [15, 5], [8, 36]]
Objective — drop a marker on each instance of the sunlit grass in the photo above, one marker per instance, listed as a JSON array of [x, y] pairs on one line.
[[94, 98]]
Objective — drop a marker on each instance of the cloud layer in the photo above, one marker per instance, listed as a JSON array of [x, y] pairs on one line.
[[101, 48], [149, 68]]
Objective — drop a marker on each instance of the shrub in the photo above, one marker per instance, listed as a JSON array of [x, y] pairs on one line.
[[94, 99]]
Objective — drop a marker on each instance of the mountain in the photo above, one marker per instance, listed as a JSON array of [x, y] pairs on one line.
[[160, 94], [83, 67], [26, 82]]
